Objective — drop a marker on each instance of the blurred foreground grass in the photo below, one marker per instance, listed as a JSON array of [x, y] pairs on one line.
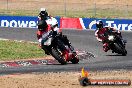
[[13, 50]]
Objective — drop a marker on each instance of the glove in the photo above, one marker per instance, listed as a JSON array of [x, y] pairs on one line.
[[40, 40], [100, 40]]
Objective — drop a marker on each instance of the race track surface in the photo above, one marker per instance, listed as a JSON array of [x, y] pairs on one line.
[[82, 40]]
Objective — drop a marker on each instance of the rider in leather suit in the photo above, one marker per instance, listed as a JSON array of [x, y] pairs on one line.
[[44, 28], [101, 30]]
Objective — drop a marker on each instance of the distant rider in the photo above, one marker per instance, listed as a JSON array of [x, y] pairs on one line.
[[100, 31]]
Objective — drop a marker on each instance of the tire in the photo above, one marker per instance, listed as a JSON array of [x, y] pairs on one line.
[[58, 57], [124, 52], [120, 49], [84, 81]]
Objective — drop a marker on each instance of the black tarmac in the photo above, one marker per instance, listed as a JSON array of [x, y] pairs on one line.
[[82, 40]]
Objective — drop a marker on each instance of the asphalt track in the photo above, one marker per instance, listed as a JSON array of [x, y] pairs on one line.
[[82, 40]]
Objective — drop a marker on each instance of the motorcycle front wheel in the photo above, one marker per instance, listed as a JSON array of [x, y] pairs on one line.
[[121, 49], [57, 55]]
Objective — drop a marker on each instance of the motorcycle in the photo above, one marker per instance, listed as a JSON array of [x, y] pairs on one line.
[[116, 43], [57, 46]]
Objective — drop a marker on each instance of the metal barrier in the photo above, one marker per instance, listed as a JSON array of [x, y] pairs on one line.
[[69, 8]]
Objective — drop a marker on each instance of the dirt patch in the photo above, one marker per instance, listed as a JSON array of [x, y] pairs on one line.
[[60, 80]]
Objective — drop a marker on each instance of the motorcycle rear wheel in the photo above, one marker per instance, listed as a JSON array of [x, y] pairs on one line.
[[125, 53], [121, 49]]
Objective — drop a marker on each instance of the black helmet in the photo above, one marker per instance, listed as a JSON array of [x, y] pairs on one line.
[[42, 25], [99, 24]]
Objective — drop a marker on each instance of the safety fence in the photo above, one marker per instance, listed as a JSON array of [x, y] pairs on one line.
[[69, 8], [65, 22]]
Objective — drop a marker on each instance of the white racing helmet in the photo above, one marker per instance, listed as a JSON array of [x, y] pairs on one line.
[[42, 11]]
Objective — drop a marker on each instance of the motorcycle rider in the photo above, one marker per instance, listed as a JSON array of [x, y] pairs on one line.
[[44, 28], [100, 34]]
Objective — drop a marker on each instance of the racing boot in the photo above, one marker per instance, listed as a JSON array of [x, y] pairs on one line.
[[45, 50], [112, 51]]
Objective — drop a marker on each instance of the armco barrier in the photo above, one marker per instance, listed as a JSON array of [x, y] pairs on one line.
[[76, 23]]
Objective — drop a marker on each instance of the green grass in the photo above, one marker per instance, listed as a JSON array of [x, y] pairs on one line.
[[100, 13], [12, 50]]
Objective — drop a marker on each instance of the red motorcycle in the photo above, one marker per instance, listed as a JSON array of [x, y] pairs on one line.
[[58, 47], [115, 42]]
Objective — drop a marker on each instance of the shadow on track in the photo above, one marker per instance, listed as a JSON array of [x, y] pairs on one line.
[[114, 55]]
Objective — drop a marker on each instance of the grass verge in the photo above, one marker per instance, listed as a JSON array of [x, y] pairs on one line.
[[13, 50], [106, 13]]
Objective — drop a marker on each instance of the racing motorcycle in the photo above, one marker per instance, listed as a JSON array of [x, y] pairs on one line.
[[116, 43], [57, 46]]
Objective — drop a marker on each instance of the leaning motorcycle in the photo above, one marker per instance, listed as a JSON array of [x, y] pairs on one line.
[[58, 49], [56, 46], [116, 43]]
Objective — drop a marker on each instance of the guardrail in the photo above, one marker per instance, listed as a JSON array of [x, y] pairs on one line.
[[76, 23]]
